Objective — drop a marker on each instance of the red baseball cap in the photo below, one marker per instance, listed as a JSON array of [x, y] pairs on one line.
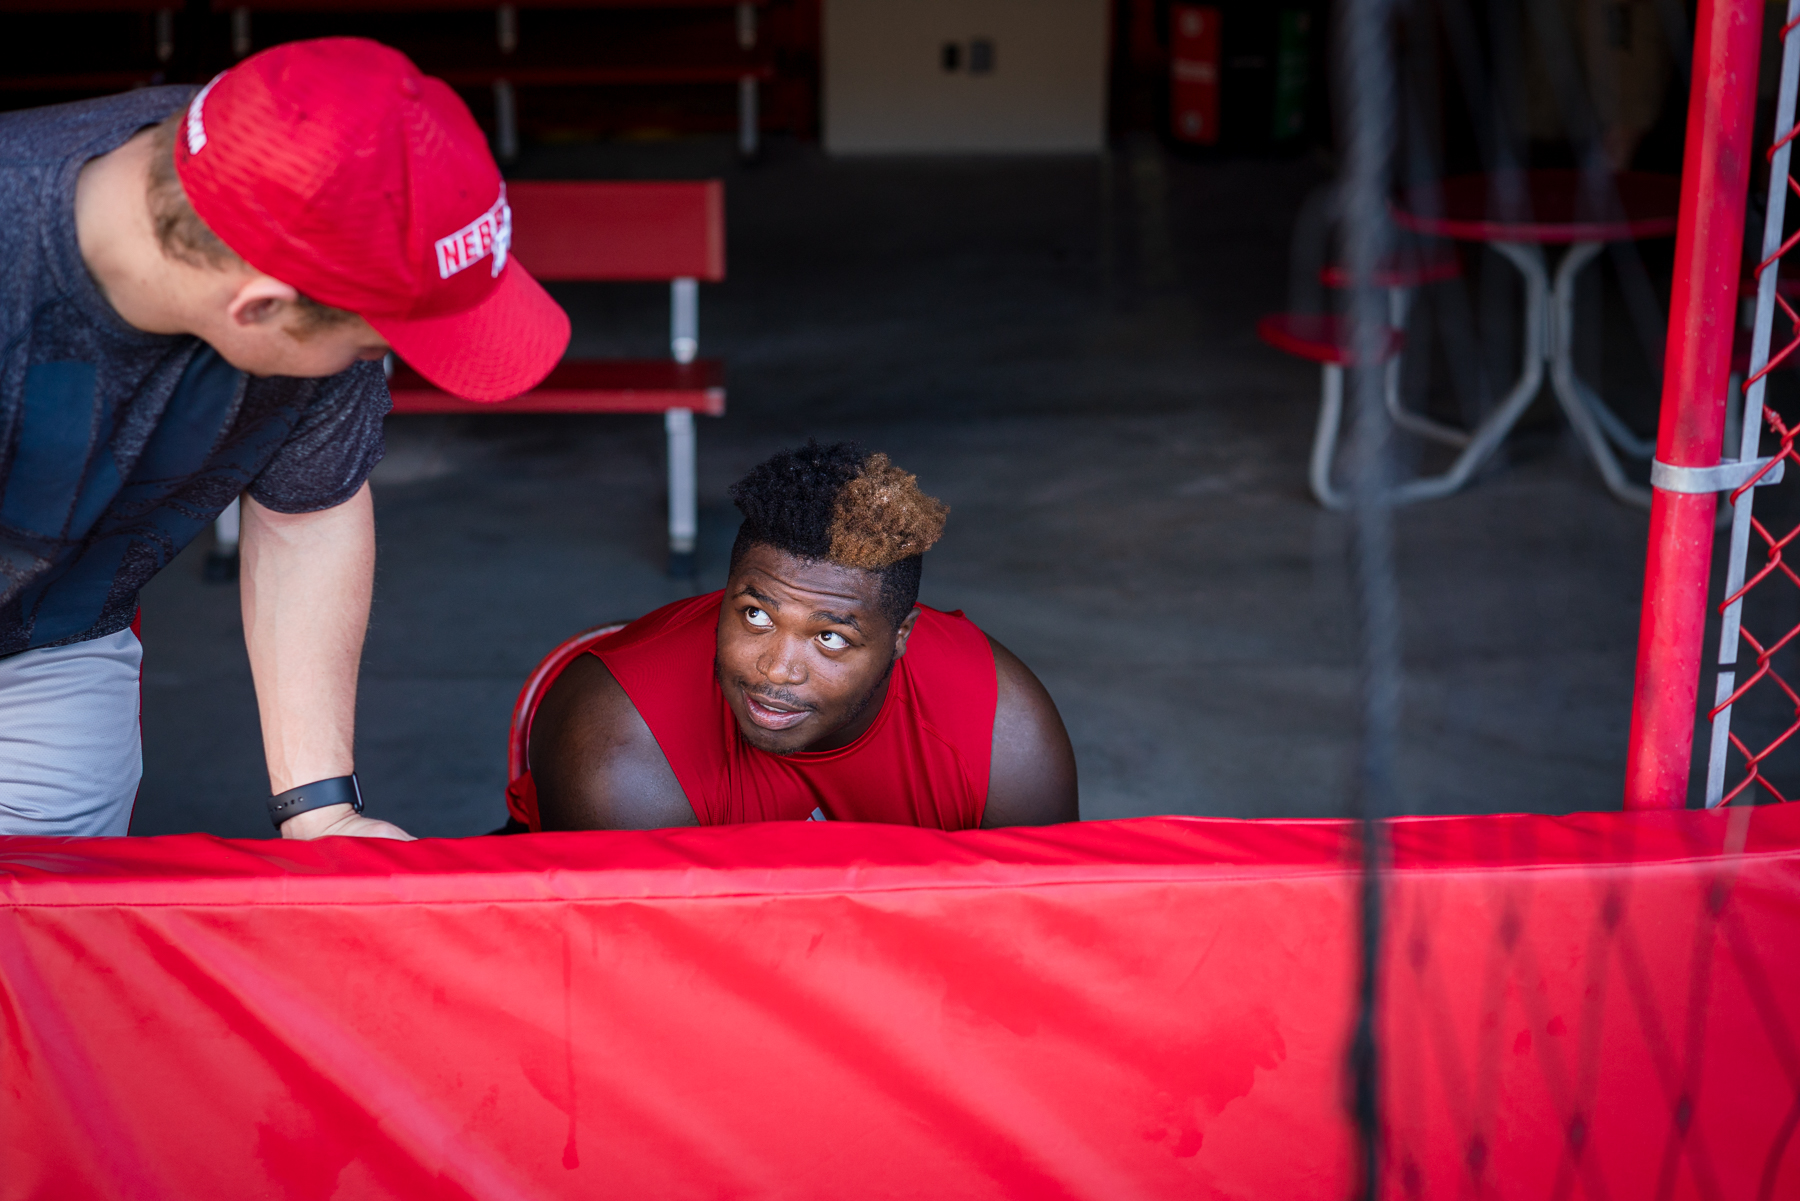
[[336, 167]]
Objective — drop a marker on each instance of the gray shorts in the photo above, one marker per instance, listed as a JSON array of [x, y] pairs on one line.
[[71, 753]]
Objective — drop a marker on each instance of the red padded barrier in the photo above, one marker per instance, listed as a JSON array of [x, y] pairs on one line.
[[1593, 1006]]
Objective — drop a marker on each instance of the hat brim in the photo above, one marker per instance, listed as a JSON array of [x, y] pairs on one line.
[[501, 348]]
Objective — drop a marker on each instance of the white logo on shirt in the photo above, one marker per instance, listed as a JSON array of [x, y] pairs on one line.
[[490, 233], [196, 128]]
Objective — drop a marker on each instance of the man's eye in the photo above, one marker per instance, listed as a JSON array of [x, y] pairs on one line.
[[834, 641], [758, 618]]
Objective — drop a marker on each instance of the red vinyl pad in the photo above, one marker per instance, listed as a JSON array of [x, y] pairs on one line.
[[1593, 1006]]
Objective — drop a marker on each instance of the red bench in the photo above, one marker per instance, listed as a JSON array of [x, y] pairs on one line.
[[706, 61], [91, 78], [619, 231]]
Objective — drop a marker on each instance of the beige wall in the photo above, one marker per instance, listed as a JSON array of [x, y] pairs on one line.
[[886, 91]]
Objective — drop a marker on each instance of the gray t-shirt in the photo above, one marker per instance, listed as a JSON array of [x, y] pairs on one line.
[[117, 447]]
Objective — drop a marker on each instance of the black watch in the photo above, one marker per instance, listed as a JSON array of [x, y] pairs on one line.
[[339, 790]]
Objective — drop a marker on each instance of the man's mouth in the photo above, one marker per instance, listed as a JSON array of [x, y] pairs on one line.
[[773, 715]]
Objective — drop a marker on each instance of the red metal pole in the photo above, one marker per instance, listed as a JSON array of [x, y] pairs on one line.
[[1715, 178]]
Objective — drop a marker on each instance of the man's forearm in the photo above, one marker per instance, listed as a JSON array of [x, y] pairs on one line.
[[306, 581]]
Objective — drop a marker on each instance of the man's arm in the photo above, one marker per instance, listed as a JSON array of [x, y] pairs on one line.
[[594, 761], [305, 587], [1032, 779]]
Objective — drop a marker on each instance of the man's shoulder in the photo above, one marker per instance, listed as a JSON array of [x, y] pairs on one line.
[[41, 150], [83, 127], [954, 681], [949, 638], [684, 619], [664, 659]]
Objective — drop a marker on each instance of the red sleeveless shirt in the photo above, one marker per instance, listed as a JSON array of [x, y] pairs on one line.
[[923, 762]]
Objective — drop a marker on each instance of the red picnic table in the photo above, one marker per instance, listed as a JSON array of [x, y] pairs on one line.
[[1519, 213]]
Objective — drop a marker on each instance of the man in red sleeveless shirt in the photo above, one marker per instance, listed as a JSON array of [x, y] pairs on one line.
[[813, 686]]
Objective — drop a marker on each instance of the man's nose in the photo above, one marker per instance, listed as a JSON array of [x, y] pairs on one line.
[[783, 664]]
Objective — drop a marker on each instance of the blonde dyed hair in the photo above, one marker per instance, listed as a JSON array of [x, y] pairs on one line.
[[881, 517]]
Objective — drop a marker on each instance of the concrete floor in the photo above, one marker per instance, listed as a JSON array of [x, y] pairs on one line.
[[1062, 350]]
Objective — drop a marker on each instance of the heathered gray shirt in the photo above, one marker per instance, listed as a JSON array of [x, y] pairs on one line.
[[117, 447]]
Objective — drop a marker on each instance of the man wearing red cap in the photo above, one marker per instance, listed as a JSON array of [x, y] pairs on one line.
[[200, 288]]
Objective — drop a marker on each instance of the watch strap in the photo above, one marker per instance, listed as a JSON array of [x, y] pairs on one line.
[[339, 790]]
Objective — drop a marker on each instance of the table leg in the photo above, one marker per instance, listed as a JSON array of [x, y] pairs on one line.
[[1325, 437], [1399, 304], [1562, 343], [1486, 438], [1594, 423]]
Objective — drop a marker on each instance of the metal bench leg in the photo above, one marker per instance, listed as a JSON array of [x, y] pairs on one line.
[[506, 110], [684, 344], [222, 560], [749, 122], [684, 320], [684, 523], [506, 122]]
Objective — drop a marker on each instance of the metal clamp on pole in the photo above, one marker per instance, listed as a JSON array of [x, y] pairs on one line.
[[1728, 476]]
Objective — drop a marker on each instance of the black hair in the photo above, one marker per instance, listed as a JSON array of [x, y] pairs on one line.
[[793, 502]]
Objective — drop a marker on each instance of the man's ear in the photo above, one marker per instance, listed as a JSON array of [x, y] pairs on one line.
[[904, 631], [260, 300]]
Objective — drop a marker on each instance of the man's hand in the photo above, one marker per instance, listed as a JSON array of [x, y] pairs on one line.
[[339, 819]]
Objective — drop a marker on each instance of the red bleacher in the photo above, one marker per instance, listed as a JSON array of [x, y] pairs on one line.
[[716, 53], [622, 386], [619, 231]]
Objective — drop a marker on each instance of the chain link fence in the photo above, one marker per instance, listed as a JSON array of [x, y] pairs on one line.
[[1756, 708]]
